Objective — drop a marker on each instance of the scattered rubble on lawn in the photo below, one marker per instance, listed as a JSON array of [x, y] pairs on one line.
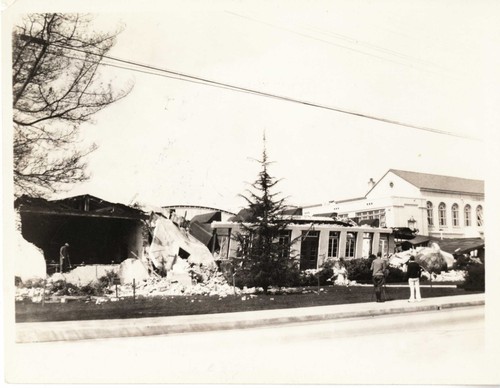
[[450, 276], [34, 294], [215, 284]]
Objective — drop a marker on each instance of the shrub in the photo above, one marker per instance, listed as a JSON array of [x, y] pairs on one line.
[[32, 283], [245, 278], [97, 288], [474, 278], [62, 287], [108, 279], [326, 272], [308, 278], [462, 262], [359, 270], [396, 275]]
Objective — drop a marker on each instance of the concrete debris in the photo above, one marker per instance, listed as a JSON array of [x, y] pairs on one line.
[[450, 276], [84, 274], [169, 241], [34, 294], [29, 261], [181, 273], [131, 269], [428, 257], [215, 285], [57, 277]]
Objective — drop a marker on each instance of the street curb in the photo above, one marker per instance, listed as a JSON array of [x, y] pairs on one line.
[[86, 330]]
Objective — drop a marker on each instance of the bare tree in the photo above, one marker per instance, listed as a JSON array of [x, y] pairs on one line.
[[56, 88]]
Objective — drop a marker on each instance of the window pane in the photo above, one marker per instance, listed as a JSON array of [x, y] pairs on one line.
[[442, 214], [479, 214], [333, 244], [350, 247], [467, 215], [430, 220], [454, 214]]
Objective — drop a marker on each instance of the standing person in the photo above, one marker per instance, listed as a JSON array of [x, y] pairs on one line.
[[378, 268], [386, 261], [414, 270], [63, 257]]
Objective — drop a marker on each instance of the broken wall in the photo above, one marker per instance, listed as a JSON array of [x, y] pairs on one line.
[[93, 240]]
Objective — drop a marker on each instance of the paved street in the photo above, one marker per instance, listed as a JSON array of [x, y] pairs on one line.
[[419, 348]]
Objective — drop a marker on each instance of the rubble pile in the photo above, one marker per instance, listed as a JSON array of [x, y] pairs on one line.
[[426, 256], [131, 269], [430, 258], [450, 276], [213, 285], [33, 293], [85, 274], [169, 240]]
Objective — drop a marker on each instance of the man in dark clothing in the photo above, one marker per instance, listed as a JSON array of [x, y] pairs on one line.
[[378, 268], [414, 270], [64, 257]]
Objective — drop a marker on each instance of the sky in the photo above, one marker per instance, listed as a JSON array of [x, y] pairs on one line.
[[170, 142]]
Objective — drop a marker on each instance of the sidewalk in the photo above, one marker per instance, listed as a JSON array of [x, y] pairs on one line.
[[113, 328]]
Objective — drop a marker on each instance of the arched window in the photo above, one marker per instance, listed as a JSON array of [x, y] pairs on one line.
[[442, 214], [454, 214], [430, 219], [467, 221], [479, 215]]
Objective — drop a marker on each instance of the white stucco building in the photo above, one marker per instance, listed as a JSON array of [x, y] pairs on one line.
[[437, 205]]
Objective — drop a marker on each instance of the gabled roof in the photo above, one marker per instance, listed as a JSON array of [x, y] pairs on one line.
[[432, 182]]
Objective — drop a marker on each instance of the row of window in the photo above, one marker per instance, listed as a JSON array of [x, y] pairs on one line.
[[378, 214], [455, 221], [350, 246]]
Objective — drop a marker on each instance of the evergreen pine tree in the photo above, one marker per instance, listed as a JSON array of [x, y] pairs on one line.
[[264, 257]]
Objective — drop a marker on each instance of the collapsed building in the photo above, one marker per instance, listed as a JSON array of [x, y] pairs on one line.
[[102, 233], [105, 234], [98, 231]]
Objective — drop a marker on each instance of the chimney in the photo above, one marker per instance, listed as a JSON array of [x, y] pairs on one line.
[[371, 183]]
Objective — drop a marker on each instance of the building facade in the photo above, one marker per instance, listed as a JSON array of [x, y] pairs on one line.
[[438, 206], [316, 239]]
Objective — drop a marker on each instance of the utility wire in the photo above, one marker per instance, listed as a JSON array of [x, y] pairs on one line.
[[356, 50], [178, 78], [205, 81]]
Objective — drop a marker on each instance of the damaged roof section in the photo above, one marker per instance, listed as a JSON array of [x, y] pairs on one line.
[[201, 228], [82, 205], [98, 231]]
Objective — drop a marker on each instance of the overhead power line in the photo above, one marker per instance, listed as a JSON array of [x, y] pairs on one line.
[[205, 81]]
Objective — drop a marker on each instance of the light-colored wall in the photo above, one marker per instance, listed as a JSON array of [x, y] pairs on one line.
[[449, 230], [400, 188], [403, 201]]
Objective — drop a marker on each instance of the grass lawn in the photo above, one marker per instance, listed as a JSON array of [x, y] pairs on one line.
[[191, 305]]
